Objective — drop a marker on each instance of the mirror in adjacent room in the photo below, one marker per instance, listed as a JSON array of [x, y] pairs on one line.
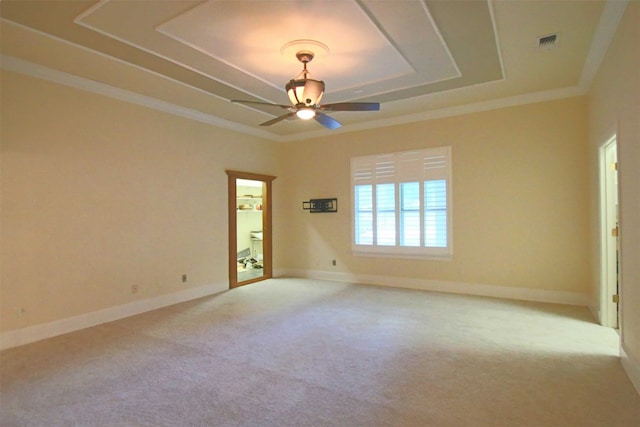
[[249, 228]]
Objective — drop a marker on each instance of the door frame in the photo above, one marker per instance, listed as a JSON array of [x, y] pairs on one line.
[[267, 252], [609, 251]]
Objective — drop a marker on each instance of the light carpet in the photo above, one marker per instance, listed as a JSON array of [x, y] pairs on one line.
[[293, 352]]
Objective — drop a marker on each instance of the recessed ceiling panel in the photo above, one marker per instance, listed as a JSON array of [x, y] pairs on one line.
[[249, 37], [412, 56], [371, 49]]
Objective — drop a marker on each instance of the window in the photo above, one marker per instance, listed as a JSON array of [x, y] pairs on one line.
[[402, 204]]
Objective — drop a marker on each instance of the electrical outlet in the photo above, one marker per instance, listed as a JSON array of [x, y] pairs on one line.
[[134, 289], [184, 278], [333, 262]]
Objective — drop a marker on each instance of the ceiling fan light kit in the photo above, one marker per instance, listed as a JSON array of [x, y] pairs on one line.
[[305, 94], [305, 113]]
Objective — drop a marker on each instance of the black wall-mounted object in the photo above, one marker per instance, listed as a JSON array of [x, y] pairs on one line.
[[321, 205]]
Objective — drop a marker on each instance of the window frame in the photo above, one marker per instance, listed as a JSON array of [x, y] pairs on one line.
[[429, 164]]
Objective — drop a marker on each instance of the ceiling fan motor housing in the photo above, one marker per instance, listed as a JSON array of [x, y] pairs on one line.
[[307, 92]]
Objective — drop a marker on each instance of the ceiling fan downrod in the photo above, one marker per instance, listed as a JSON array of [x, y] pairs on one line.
[[305, 56], [303, 91]]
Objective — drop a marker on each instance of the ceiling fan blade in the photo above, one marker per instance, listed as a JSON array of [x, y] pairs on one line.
[[326, 121], [277, 119], [351, 106], [239, 101]]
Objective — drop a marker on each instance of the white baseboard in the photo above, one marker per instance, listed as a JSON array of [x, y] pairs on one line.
[[47, 330], [631, 367], [524, 294], [595, 312]]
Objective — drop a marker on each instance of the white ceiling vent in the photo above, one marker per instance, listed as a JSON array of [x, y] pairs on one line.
[[550, 41]]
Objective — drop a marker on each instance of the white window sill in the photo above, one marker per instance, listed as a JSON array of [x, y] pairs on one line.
[[400, 255]]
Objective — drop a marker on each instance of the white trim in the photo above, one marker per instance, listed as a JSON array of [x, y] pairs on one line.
[[113, 58], [631, 367], [476, 107], [401, 255], [496, 34], [608, 267], [31, 69], [427, 12], [493, 104], [34, 333], [80, 20], [419, 166], [504, 292], [605, 31], [595, 312]]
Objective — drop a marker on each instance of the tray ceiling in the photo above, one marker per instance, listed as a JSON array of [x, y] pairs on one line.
[[412, 56]]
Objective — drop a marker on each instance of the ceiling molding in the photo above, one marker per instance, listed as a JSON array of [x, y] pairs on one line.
[[606, 30], [31, 69], [41, 72], [80, 20], [44, 73], [607, 24], [4, 21], [476, 107], [127, 33], [496, 34]]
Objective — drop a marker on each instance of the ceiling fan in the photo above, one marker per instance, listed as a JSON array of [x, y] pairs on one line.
[[305, 94]]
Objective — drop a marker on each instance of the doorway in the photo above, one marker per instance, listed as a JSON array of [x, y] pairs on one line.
[[250, 253], [609, 249]]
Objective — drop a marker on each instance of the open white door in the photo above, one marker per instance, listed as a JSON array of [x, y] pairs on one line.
[[609, 298]]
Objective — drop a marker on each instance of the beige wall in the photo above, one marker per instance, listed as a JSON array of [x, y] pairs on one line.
[[99, 195], [520, 199], [614, 106]]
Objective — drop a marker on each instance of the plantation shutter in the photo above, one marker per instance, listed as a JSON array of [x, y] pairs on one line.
[[400, 202]]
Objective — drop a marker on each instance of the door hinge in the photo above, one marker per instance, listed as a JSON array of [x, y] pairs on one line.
[[615, 299], [614, 232], [614, 166]]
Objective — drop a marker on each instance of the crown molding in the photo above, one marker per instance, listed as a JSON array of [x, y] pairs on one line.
[[32, 69], [476, 107], [611, 16]]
